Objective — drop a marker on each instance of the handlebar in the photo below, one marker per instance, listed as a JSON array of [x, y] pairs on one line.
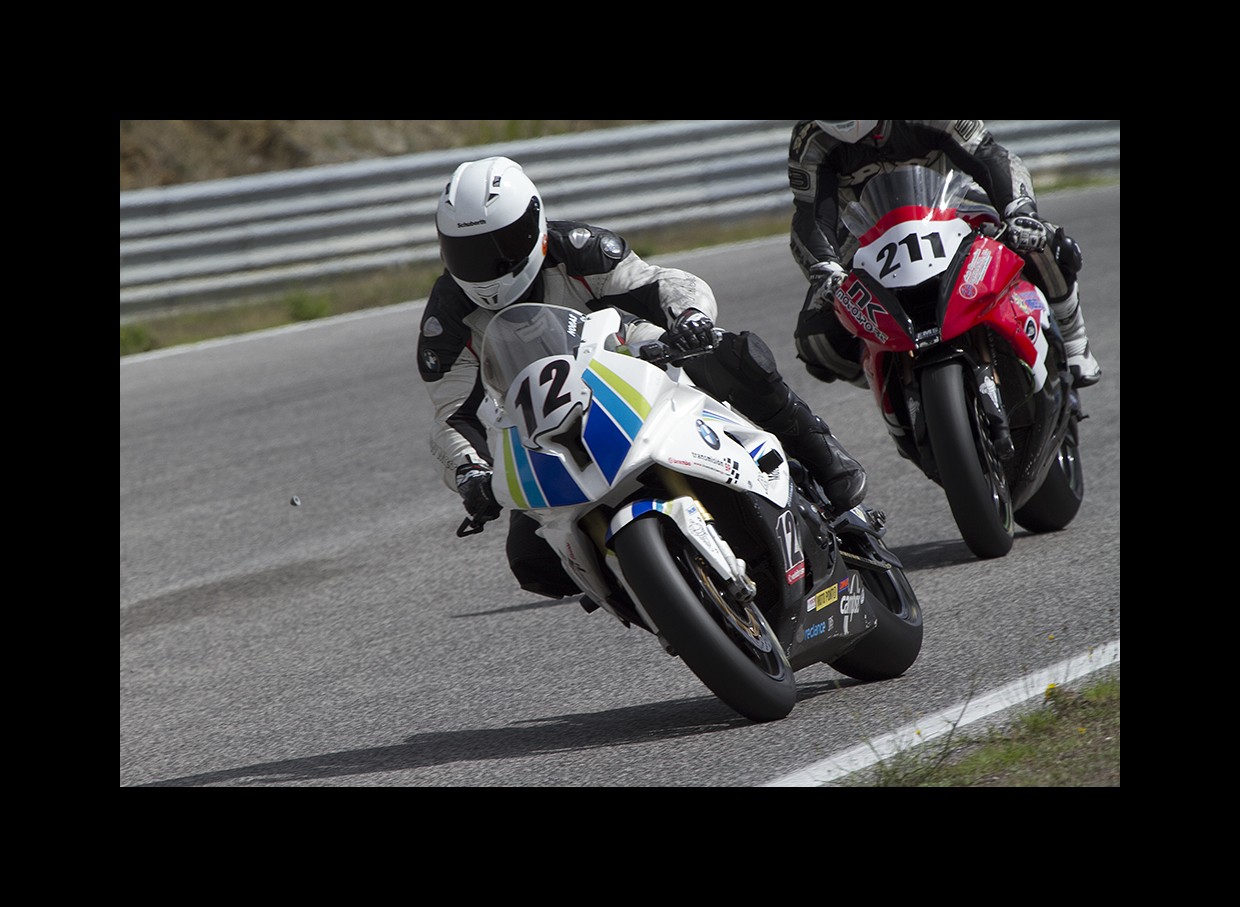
[[656, 352]]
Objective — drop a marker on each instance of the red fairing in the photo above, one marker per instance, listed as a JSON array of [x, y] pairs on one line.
[[990, 268], [865, 317], [904, 214], [1017, 318]]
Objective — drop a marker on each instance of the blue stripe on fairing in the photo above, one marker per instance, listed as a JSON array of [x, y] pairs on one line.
[[630, 423], [555, 480], [521, 457], [711, 414], [606, 442]]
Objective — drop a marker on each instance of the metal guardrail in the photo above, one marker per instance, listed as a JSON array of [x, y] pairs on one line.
[[248, 236]]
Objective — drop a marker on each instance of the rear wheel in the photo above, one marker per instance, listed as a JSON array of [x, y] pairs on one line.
[[1055, 503], [726, 643], [889, 649], [970, 471]]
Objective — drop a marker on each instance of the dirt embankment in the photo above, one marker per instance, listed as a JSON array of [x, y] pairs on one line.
[[169, 152]]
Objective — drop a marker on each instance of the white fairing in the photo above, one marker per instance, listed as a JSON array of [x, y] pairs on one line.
[[911, 250], [1036, 326], [578, 425]]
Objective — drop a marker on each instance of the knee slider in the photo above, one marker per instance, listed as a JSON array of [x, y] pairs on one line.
[[747, 356], [1067, 254], [757, 358]]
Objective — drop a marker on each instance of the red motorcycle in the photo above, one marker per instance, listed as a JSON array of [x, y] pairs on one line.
[[963, 355]]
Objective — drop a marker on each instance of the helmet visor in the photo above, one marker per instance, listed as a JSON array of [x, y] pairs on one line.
[[486, 257]]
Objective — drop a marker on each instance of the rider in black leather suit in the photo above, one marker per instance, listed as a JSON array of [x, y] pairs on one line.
[[829, 163]]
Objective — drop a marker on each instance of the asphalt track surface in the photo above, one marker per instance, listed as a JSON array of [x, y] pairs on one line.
[[354, 640]]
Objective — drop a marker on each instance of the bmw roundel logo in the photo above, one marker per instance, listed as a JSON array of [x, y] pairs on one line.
[[708, 434]]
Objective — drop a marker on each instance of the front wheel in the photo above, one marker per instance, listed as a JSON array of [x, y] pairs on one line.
[[1055, 503], [726, 643], [970, 471]]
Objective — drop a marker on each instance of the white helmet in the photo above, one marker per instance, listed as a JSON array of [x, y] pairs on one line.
[[492, 231], [849, 131]]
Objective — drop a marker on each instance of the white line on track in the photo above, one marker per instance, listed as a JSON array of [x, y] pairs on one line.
[[865, 755]]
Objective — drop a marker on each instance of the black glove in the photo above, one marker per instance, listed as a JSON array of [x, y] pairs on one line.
[[691, 332], [473, 484], [1025, 233], [824, 279]]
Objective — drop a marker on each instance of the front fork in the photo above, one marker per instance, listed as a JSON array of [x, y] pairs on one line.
[[992, 409], [989, 397], [695, 523]]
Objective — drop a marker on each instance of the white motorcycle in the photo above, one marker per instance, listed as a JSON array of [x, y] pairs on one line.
[[676, 514]]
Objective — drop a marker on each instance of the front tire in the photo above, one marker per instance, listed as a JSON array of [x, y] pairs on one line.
[[727, 644], [971, 474]]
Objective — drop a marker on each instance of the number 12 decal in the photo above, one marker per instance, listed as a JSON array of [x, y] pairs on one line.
[[552, 377]]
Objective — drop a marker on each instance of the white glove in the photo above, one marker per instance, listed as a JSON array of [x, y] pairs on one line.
[[824, 279]]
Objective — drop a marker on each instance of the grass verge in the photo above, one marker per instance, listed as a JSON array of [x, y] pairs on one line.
[[1071, 740]]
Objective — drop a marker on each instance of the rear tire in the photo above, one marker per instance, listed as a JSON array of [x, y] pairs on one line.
[[889, 649], [727, 644], [1055, 504], [972, 475]]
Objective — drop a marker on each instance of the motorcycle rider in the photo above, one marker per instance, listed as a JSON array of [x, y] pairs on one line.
[[829, 163], [498, 249]]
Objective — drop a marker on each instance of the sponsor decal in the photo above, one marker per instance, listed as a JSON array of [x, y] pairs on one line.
[[708, 434], [816, 629], [861, 305], [827, 596], [1029, 300], [430, 361], [431, 327], [1031, 329], [726, 465], [794, 556], [574, 562], [990, 389], [472, 223], [975, 272], [978, 266], [850, 602]]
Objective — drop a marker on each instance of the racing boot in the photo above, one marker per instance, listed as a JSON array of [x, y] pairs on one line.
[[1084, 367], [808, 439], [743, 372]]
